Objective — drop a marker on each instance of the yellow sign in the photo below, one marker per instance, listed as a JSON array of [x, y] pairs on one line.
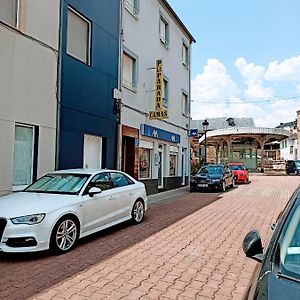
[[160, 112]]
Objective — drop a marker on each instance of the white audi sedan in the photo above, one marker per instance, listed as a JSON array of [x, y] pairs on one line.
[[64, 206]]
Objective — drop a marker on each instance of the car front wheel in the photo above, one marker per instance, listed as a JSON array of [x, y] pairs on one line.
[[64, 235], [223, 186], [138, 211]]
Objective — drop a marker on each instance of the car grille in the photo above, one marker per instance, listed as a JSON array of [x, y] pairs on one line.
[[2, 227]]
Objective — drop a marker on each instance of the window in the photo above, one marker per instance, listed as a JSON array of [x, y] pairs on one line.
[[185, 54], [173, 164], [185, 104], [129, 71], [23, 155], [164, 31], [165, 93], [291, 149], [101, 181], [78, 36], [144, 162], [132, 6], [9, 12], [119, 180]]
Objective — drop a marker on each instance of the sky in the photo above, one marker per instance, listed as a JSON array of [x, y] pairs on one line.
[[246, 59]]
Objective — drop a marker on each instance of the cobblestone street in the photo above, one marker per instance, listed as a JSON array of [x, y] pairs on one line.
[[188, 247]]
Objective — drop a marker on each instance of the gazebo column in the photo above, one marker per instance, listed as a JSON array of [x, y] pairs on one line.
[[229, 149], [262, 141]]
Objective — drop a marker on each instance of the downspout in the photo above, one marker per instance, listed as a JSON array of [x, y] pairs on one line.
[[120, 71], [58, 85], [189, 141]]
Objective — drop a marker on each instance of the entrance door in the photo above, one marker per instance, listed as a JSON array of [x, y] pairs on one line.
[[160, 167], [92, 152], [128, 155]]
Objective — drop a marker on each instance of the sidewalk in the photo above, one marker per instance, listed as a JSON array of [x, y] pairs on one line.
[[187, 248]]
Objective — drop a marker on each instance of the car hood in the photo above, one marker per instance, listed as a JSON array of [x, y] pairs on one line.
[[208, 176], [276, 288], [26, 203]]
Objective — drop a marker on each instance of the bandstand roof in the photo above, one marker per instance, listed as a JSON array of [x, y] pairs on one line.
[[244, 134]]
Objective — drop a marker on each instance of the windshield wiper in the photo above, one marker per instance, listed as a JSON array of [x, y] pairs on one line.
[[288, 277]]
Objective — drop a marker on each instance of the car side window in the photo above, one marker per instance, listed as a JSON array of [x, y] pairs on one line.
[[101, 181], [118, 180]]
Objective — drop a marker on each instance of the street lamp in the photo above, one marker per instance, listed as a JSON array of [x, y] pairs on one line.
[[205, 126]]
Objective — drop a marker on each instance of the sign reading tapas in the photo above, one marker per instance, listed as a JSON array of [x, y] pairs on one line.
[[160, 112]]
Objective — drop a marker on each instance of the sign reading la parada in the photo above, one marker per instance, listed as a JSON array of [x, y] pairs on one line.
[[159, 112]]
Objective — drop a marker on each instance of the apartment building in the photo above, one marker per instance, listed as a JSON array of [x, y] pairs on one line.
[[155, 104], [28, 85]]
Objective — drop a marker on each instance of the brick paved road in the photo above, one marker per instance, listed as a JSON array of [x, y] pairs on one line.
[[185, 249]]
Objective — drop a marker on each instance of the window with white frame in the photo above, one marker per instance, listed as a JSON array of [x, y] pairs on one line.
[[9, 11], [165, 93], [185, 54], [144, 163], [23, 155], [185, 104], [132, 6], [78, 36], [164, 30], [129, 65]]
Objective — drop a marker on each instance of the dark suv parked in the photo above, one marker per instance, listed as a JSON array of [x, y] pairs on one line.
[[292, 167]]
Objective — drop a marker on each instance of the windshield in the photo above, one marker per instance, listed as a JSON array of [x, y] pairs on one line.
[[236, 167], [211, 170], [59, 183], [297, 162], [290, 245]]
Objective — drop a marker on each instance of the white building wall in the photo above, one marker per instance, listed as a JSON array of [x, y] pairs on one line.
[[28, 71], [142, 39]]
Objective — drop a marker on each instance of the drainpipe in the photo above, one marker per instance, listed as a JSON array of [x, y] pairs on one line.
[[58, 85], [120, 71]]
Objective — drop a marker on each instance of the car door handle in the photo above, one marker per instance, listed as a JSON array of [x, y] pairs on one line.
[[131, 193], [111, 198]]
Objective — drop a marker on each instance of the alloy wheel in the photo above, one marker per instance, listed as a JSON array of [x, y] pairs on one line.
[[66, 235], [138, 212]]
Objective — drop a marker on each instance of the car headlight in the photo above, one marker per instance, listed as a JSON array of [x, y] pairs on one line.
[[193, 179], [30, 219]]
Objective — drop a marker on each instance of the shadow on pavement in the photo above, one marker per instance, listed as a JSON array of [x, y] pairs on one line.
[[25, 275]]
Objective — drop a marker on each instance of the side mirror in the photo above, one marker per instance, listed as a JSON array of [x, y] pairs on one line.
[[252, 245], [94, 190]]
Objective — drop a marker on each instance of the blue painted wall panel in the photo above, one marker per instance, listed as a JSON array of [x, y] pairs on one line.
[[87, 105]]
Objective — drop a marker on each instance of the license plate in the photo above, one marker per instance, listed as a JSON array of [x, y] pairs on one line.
[[202, 185]]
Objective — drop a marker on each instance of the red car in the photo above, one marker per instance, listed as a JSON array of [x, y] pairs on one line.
[[239, 171]]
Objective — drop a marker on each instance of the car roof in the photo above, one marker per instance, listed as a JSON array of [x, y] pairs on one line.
[[82, 171]]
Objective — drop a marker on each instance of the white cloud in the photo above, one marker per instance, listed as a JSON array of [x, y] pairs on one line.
[[253, 77], [288, 70], [215, 83]]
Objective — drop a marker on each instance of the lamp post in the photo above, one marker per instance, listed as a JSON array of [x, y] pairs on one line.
[[205, 126]]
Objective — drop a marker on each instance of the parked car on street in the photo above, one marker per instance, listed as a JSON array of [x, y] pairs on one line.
[[292, 167], [212, 176], [241, 174], [278, 274], [64, 206]]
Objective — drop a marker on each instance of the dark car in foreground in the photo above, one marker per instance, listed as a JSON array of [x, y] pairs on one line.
[[212, 176], [292, 167], [278, 274]]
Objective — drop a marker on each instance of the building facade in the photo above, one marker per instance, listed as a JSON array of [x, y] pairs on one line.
[[28, 71], [87, 114], [155, 104]]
